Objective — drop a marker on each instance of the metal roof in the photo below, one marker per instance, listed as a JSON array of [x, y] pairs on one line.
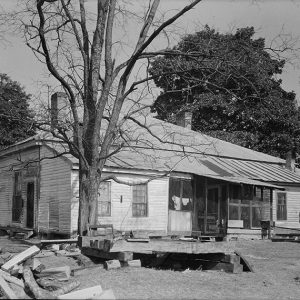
[[204, 165], [155, 145]]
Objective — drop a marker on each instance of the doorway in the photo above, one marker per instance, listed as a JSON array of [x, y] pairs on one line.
[[30, 205], [213, 200]]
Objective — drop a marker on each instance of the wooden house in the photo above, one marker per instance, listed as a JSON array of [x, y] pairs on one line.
[[179, 182]]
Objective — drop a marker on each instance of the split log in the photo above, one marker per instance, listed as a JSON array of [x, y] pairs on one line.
[[44, 253], [112, 264], [5, 288], [31, 284], [12, 279], [68, 253], [59, 273], [49, 283], [16, 270], [68, 287], [19, 258], [136, 263], [88, 293], [37, 266]]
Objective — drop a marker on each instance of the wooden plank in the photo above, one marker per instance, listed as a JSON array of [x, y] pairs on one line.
[[235, 223], [122, 256], [59, 241], [19, 258], [228, 267], [5, 288], [88, 293], [138, 240], [247, 267], [107, 295]]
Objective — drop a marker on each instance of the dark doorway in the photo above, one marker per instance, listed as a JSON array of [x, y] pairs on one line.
[[30, 204]]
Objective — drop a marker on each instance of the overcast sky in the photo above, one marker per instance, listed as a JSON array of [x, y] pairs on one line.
[[269, 18]]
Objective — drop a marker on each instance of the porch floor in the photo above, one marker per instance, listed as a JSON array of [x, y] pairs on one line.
[[172, 246]]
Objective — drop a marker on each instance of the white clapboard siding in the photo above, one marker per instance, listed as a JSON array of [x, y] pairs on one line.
[[74, 200], [121, 205], [55, 194], [293, 209], [8, 164]]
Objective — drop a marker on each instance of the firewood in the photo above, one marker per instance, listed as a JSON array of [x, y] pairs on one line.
[[37, 266], [112, 264], [19, 258], [60, 273], [50, 283], [133, 263], [31, 284], [12, 279], [68, 287], [88, 293], [5, 288]]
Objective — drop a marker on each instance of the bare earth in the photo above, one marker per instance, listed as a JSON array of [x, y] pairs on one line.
[[276, 276]]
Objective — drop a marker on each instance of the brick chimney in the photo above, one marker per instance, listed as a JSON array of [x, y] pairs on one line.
[[290, 160], [59, 108], [184, 119]]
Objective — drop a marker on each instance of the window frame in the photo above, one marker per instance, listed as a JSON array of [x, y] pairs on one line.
[[281, 215], [136, 203], [108, 202], [180, 185]]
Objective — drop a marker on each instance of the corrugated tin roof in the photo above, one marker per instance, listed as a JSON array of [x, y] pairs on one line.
[[157, 134], [204, 165], [156, 145]]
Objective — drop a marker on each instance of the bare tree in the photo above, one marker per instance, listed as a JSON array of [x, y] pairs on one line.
[[81, 52]]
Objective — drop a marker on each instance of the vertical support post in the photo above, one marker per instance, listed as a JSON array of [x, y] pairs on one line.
[[271, 212], [205, 212], [228, 200]]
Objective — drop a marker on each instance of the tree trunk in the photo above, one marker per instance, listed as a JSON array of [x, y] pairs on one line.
[[88, 200]]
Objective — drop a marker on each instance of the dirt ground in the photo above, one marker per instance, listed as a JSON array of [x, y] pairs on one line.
[[276, 276]]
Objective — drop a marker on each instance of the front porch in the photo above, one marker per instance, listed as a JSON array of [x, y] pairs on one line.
[[219, 207]]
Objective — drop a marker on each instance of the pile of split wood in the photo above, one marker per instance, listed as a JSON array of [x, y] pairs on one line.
[[23, 276]]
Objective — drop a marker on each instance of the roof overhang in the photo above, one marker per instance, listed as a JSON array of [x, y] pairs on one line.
[[244, 180]]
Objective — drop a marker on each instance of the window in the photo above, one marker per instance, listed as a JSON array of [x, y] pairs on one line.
[[248, 203], [180, 194], [104, 199], [281, 207], [139, 200]]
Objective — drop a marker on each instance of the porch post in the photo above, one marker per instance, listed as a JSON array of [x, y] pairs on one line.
[[205, 211], [271, 212]]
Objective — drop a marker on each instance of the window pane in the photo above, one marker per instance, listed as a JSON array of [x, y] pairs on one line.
[[245, 216], [256, 216], [174, 193], [248, 192], [233, 213], [187, 195], [281, 206], [235, 192], [104, 199], [139, 200], [139, 194]]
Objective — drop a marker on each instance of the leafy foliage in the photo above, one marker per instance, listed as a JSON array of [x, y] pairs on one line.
[[16, 119], [229, 83]]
